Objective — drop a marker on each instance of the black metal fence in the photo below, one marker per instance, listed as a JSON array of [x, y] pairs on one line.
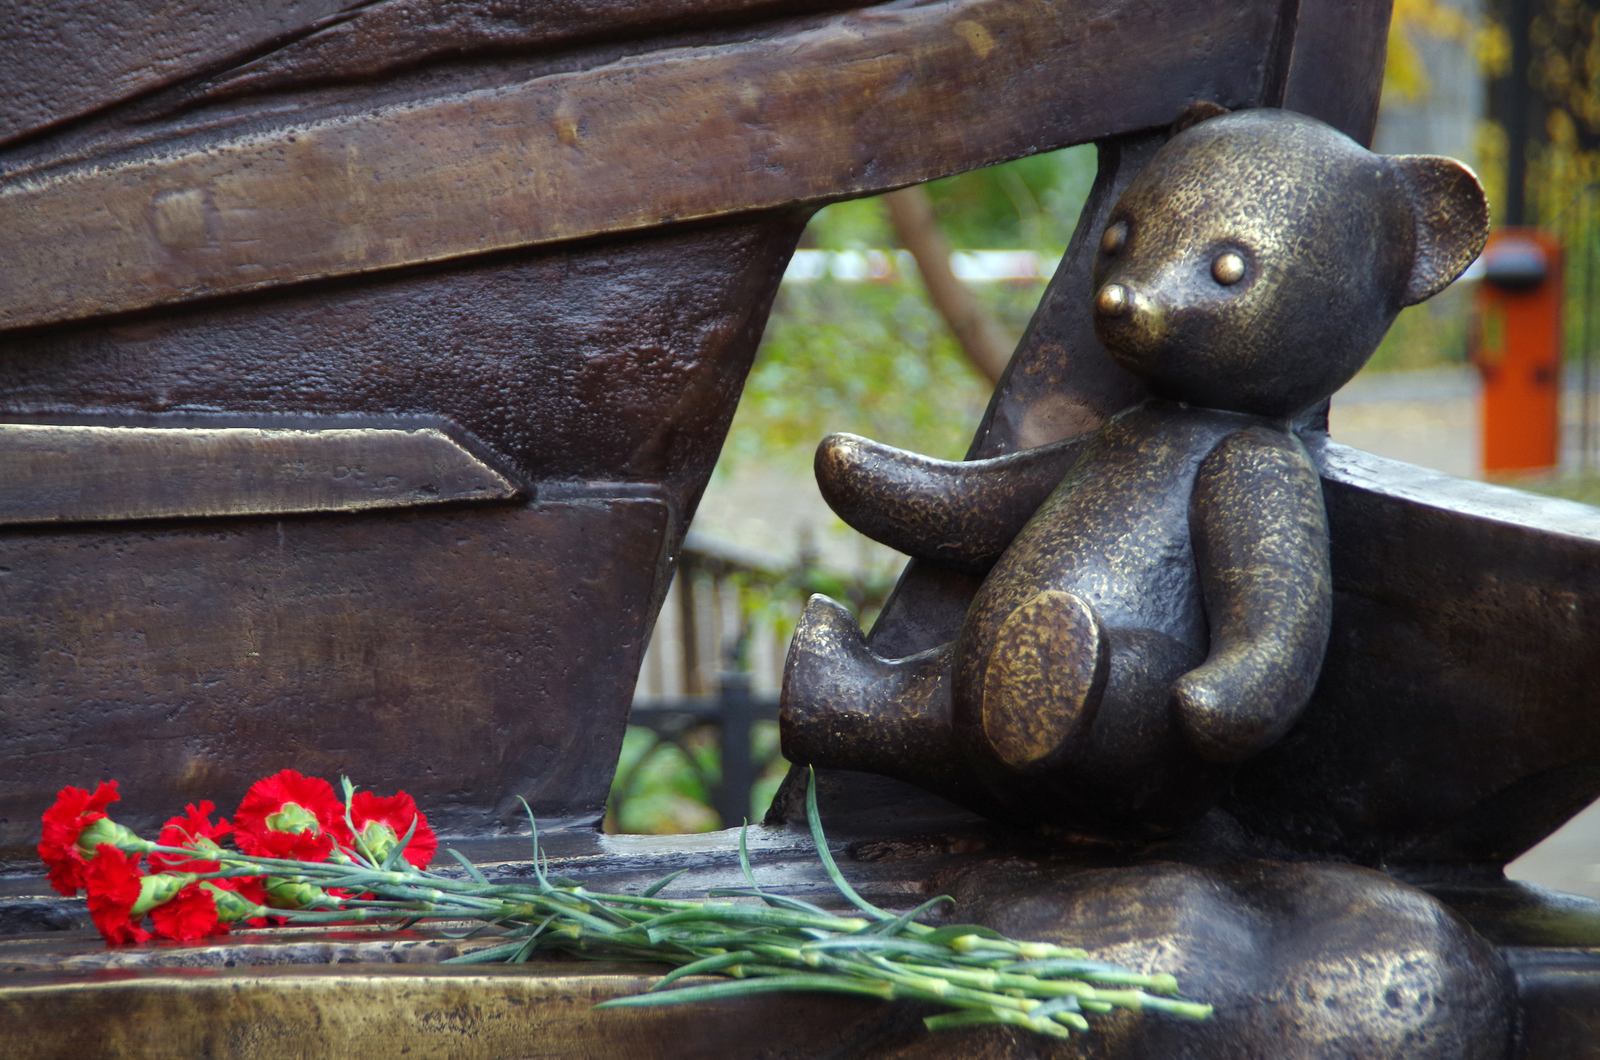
[[709, 684]]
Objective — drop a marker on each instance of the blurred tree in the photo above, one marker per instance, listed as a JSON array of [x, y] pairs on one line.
[[877, 357], [1405, 77], [1546, 101], [986, 344], [1564, 75]]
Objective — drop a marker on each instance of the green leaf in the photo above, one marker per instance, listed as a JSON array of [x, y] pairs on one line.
[[704, 966], [1057, 967], [533, 836], [814, 819], [362, 853], [867, 943], [661, 884], [950, 932], [991, 1017], [1056, 1005], [899, 923], [398, 852], [744, 859], [778, 901], [487, 955], [466, 863]]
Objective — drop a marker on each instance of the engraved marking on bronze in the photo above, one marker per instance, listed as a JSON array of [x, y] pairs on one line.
[[178, 218]]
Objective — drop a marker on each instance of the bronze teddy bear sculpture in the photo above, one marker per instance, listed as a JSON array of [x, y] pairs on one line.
[[1156, 598]]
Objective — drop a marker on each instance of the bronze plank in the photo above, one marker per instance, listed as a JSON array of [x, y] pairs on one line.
[[64, 473], [1462, 652], [534, 1010], [69, 58], [412, 649], [820, 112]]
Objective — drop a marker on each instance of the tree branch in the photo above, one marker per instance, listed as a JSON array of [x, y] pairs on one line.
[[981, 337]]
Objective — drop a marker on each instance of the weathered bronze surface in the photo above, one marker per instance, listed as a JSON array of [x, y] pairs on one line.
[[476, 652], [1293, 952], [406, 656], [522, 155], [480, 653], [1463, 651], [1159, 614], [595, 356], [78, 472]]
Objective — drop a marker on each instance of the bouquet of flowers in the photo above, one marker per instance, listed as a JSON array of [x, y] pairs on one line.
[[297, 852]]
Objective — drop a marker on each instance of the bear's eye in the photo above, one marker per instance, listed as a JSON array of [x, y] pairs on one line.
[[1115, 238], [1228, 268]]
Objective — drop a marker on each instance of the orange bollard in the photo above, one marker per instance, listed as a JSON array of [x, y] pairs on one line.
[[1517, 348]]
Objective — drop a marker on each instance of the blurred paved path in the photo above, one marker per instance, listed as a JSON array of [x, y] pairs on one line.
[[1428, 418]]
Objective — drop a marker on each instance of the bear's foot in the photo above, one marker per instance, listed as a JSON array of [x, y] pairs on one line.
[[844, 707], [1046, 673]]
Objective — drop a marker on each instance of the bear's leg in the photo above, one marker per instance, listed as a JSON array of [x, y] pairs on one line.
[[1045, 677], [844, 707]]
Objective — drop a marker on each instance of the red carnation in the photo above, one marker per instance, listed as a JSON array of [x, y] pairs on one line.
[[73, 811], [382, 820], [188, 915], [195, 830], [288, 815], [115, 885], [252, 889]]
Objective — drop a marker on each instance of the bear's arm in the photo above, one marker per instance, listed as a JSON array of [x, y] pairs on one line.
[[1260, 536], [958, 513]]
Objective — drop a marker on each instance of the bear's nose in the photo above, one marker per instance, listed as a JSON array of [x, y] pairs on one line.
[[1112, 301]]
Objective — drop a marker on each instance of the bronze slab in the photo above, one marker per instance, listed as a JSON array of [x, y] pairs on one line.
[[409, 650]]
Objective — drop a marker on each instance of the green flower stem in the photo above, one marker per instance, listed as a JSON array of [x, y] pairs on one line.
[[728, 913], [756, 941]]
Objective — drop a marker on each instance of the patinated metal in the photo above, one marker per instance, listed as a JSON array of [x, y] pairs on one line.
[[549, 277], [1316, 959], [480, 651], [1158, 613], [85, 472], [588, 345], [484, 166]]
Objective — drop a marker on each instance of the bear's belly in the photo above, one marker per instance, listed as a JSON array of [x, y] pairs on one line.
[[1130, 559], [1114, 533]]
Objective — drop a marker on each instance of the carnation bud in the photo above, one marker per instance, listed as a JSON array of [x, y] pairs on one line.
[[380, 840], [286, 893], [158, 889], [231, 905], [293, 817], [105, 830]]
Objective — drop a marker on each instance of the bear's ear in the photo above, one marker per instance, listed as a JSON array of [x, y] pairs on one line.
[[1450, 217], [1195, 113]]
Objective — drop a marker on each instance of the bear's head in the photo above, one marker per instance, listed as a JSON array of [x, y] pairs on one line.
[[1258, 259]]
